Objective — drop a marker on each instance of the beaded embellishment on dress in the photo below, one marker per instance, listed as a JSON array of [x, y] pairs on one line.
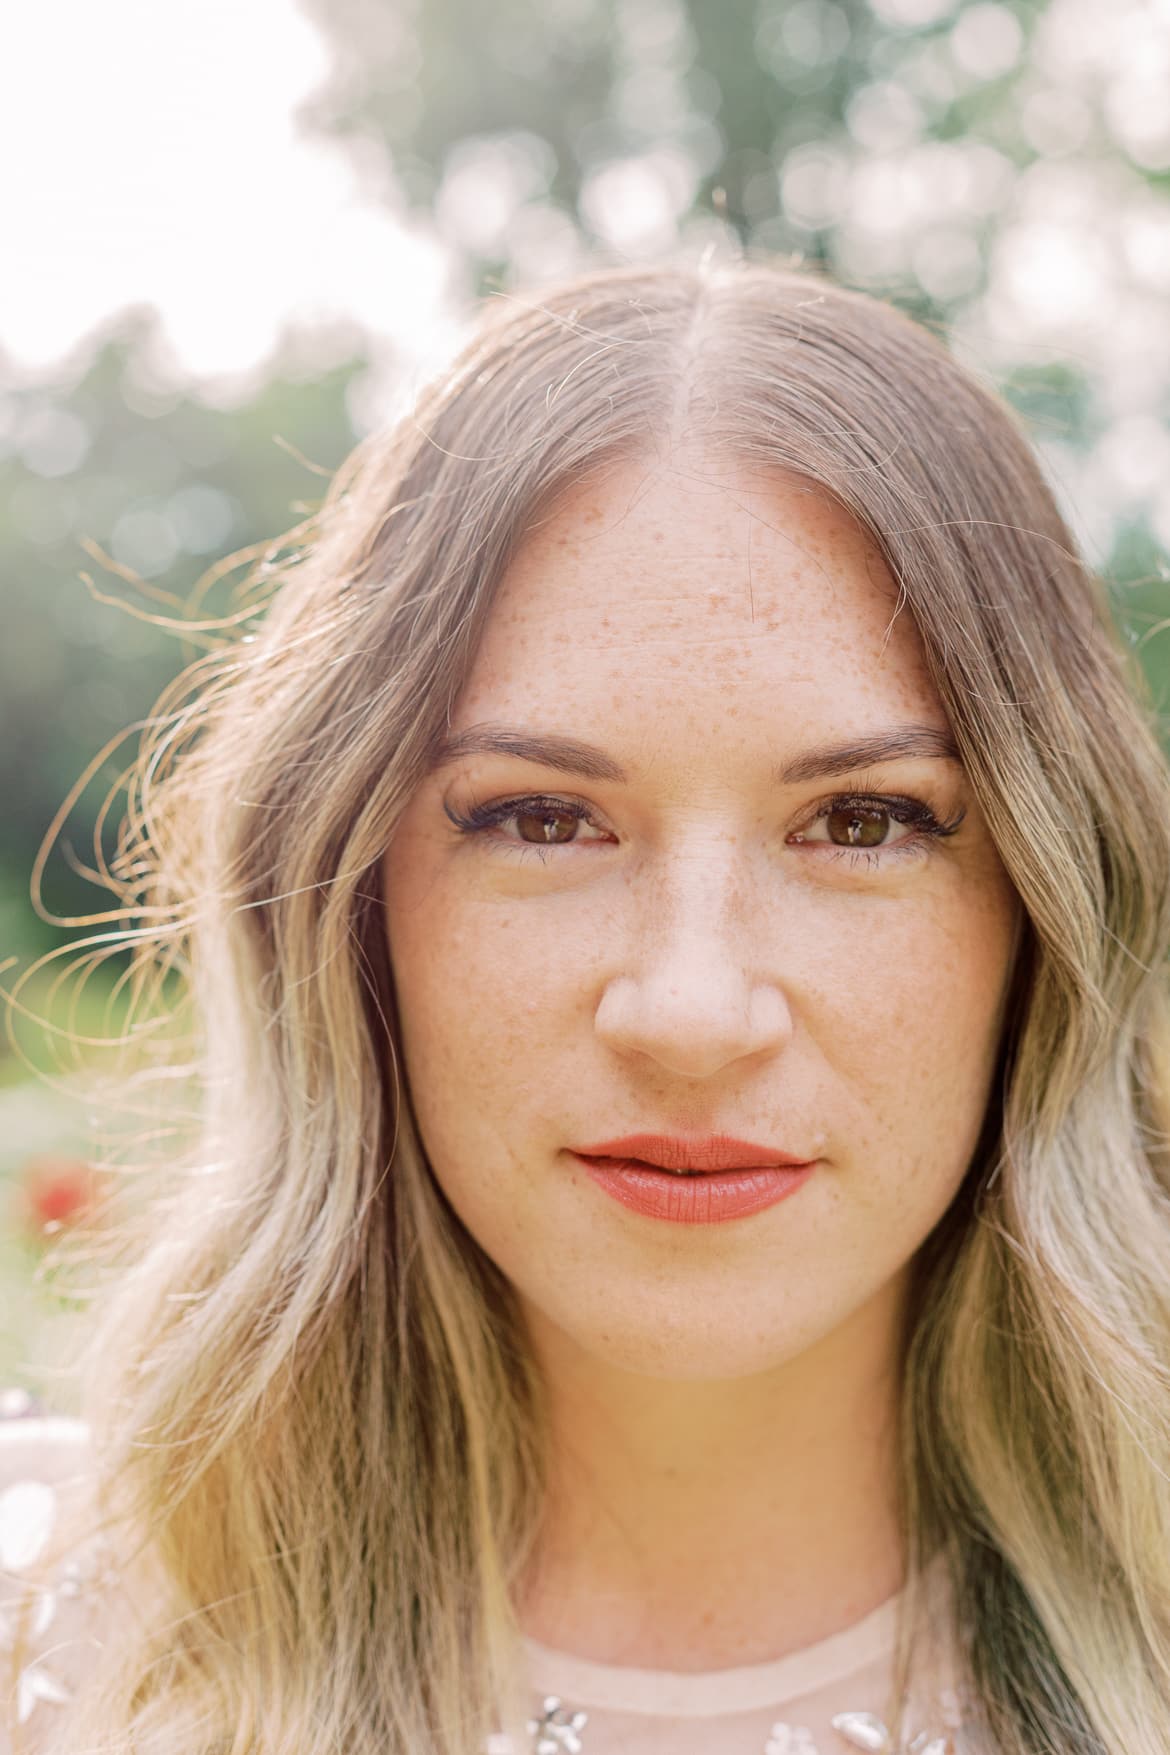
[[790, 1740], [558, 1729], [861, 1730], [28, 1514]]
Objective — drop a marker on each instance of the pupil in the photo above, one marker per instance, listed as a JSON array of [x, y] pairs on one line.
[[857, 827]]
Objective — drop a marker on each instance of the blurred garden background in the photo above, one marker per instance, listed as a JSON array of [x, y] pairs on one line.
[[239, 236]]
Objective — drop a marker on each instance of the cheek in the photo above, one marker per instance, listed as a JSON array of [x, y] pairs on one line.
[[910, 1025], [478, 988], [478, 991]]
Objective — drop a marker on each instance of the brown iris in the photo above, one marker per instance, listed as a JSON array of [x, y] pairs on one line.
[[854, 825], [544, 819]]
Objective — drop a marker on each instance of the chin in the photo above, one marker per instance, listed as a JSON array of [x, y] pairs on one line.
[[679, 1349]]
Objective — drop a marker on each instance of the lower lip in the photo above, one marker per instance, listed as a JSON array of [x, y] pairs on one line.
[[706, 1198]]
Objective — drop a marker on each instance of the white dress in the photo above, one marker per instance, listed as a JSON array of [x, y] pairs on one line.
[[829, 1699]]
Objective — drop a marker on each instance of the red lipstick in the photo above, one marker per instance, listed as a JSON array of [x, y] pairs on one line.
[[700, 1179]]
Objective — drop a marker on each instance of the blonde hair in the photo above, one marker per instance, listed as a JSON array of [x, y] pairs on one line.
[[311, 1397]]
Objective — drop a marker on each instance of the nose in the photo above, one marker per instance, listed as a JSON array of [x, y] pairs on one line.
[[694, 991]]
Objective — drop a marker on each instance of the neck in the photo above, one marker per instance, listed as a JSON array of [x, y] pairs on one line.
[[695, 1525]]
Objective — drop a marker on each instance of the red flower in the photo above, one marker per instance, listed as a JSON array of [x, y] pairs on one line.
[[57, 1192]]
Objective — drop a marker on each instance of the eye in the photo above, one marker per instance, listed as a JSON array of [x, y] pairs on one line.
[[541, 821], [861, 825]]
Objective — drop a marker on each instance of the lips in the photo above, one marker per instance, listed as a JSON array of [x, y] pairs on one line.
[[709, 1152]]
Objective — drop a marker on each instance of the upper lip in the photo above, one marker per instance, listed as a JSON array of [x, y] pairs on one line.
[[715, 1151]]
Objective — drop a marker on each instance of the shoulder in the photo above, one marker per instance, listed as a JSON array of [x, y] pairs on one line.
[[53, 1576]]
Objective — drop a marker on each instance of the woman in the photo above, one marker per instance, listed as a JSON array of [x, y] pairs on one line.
[[678, 1252]]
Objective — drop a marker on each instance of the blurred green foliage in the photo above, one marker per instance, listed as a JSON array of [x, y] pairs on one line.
[[168, 485]]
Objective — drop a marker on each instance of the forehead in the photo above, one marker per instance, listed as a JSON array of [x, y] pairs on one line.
[[699, 585]]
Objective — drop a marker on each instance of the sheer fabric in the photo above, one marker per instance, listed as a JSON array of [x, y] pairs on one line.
[[827, 1699]]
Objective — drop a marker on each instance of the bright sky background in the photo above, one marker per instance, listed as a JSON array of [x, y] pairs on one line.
[[151, 157]]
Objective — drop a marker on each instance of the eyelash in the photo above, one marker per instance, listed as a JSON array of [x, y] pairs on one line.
[[903, 810]]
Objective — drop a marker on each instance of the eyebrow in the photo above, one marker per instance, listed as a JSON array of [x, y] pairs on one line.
[[570, 756]]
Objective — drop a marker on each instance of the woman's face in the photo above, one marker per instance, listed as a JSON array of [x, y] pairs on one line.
[[738, 937]]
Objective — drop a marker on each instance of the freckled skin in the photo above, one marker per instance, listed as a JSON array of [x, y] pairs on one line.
[[686, 966]]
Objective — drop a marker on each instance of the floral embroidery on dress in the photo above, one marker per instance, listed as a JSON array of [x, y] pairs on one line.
[[28, 1513], [952, 1709], [790, 1740], [557, 1728], [862, 1730]]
